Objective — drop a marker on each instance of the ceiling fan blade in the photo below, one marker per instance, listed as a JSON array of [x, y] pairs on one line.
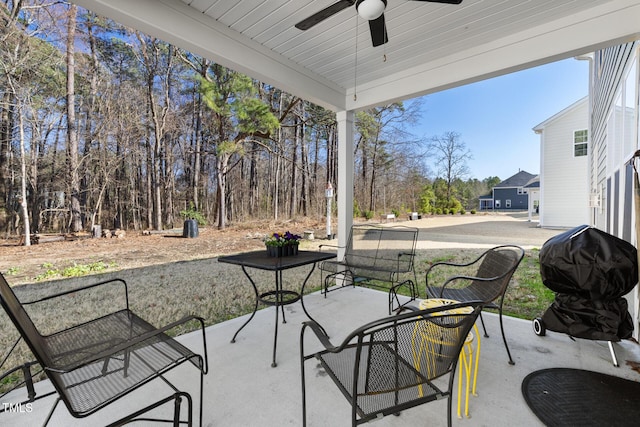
[[325, 13], [442, 1], [378, 31]]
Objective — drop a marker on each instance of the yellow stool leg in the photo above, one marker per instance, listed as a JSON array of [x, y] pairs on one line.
[[461, 369], [469, 367], [475, 370], [465, 362], [469, 363]]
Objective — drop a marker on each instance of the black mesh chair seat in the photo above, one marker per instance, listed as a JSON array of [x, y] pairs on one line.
[[484, 279], [94, 383], [377, 393], [94, 363], [392, 364]]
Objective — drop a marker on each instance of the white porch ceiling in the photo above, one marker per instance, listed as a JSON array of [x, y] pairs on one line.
[[431, 46]]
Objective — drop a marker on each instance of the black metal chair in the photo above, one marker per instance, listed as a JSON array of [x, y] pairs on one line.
[[488, 280], [94, 363], [390, 365]]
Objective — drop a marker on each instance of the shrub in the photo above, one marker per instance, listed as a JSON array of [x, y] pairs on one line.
[[368, 214], [473, 211], [193, 213], [454, 205], [12, 271]]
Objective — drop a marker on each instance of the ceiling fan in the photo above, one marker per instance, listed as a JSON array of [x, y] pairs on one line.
[[371, 10]]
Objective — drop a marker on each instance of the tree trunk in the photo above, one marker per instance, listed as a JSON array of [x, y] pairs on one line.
[[293, 192], [278, 159], [304, 160], [149, 187], [6, 125], [221, 176], [24, 210], [89, 126], [72, 133], [253, 181]]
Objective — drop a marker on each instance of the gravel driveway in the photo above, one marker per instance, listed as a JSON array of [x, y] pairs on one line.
[[481, 231]]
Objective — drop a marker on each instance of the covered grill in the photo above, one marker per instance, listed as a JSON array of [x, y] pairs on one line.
[[590, 271]]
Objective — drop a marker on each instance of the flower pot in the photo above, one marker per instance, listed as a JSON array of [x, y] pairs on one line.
[[280, 251], [274, 251]]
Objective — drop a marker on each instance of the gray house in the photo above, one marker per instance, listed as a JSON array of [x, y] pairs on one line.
[[510, 194]]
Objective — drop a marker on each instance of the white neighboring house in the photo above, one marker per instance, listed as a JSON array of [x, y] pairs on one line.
[[564, 183], [533, 190]]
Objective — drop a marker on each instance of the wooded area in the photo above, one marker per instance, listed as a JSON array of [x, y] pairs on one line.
[[100, 124]]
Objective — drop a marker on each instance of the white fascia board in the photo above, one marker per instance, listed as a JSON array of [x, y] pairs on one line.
[[560, 114], [183, 26], [614, 22]]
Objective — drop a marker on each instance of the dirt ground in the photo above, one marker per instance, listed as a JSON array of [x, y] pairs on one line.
[[22, 264]]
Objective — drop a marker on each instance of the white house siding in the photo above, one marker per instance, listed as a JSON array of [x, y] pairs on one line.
[[564, 186], [614, 136]]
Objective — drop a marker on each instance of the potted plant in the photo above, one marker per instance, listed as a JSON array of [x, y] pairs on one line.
[[282, 244]]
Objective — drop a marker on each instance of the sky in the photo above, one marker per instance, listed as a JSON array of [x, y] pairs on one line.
[[495, 117]]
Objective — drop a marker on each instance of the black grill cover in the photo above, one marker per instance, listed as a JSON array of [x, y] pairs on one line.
[[589, 262], [590, 271]]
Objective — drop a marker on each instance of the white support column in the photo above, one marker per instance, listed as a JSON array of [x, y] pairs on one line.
[[345, 176]]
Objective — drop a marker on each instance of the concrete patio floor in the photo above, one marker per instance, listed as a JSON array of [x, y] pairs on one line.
[[242, 389]]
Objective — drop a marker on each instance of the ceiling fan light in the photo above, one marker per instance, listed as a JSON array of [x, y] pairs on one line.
[[371, 9]]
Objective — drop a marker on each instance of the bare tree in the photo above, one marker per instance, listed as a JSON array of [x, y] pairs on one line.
[[450, 155], [382, 139], [72, 131], [157, 65]]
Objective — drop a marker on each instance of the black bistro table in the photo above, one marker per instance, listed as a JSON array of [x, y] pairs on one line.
[[278, 297]]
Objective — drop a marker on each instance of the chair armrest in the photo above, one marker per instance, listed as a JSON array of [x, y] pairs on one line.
[[455, 264], [320, 334], [406, 307], [449, 264], [131, 343], [83, 288], [330, 246], [468, 279], [472, 278], [411, 256]]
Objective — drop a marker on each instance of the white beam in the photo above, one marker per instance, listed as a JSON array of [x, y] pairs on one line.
[[610, 23], [345, 121], [178, 24]]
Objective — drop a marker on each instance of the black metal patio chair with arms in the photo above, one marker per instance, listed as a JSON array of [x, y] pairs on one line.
[[94, 363], [390, 365], [484, 279]]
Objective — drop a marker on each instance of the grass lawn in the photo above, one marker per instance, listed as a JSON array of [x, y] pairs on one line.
[[162, 294], [526, 297]]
